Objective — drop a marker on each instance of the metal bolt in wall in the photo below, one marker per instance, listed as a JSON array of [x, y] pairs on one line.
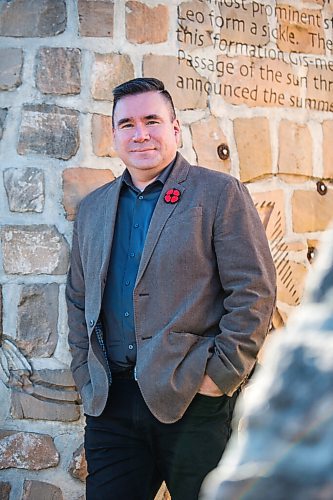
[[223, 151]]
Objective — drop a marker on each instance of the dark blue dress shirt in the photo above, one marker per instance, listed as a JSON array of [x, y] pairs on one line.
[[134, 212]]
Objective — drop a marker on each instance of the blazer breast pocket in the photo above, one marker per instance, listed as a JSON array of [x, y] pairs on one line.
[[191, 215]]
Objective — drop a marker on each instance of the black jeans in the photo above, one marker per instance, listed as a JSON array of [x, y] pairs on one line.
[[129, 452]]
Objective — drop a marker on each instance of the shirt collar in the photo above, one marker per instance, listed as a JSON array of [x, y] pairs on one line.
[[162, 177]]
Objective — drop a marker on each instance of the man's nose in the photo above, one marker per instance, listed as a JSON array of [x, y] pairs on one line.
[[141, 133]]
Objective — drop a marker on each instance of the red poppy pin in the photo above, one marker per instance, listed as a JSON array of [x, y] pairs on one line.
[[172, 196]]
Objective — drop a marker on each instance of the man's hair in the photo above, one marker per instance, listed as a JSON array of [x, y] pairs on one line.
[[140, 86]]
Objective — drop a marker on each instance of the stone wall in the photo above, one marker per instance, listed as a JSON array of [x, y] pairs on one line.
[[253, 87]]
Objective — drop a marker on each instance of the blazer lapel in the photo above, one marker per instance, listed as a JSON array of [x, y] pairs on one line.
[[110, 212], [163, 211]]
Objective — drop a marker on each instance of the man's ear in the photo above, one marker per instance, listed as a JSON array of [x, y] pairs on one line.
[[177, 130]]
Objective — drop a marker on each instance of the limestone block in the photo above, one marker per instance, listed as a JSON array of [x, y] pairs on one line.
[[51, 396], [32, 18], [33, 490], [270, 206], [3, 114], [59, 377], [11, 62], [78, 182], [58, 70], [146, 24], [27, 406], [51, 130], [102, 137], [295, 149], [109, 70], [5, 490], [290, 274], [207, 137], [300, 30], [237, 25], [256, 82], [254, 147], [311, 211], [78, 466], [35, 249], [96, 18], [38, 319], [190, 32], [327, 149], [319, 88], [27, 450], [25, 189], [181, 81], [290, 281]]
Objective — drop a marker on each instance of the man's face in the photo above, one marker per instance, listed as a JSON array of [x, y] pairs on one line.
[[145, 136]]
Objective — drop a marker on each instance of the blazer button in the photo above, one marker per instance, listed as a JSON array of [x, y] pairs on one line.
[[91, 322]]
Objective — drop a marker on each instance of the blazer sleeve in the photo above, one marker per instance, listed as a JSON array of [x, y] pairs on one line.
[[248, 278], [75, 297]]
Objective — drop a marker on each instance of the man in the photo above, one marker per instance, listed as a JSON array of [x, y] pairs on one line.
[[170, 295]]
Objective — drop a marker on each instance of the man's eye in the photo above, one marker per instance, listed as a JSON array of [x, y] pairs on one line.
[[125, 125], [152, 122]]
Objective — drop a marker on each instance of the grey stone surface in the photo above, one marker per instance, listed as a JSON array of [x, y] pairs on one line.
[[30, 406], [285, 450], [27, 450], [5, 490], [25, 189], [35, 249], [96, 18], [78, 466], [11, 61], [15, 369], [58, 70], [3, 114], [1, 330], [32, 18], [37, 320], [39, 490], [51, 396], [49, 130], [62, 378]]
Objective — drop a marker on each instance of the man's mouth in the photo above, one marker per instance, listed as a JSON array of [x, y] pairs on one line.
[[142, 150]]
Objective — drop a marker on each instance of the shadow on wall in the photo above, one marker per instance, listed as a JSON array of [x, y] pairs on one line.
[[285, 446]]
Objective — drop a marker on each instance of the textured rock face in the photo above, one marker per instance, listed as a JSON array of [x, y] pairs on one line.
[[32, 490], [78, 465], [32, 18], [286, 451], [78, 182], [34, 250], [11, 61], [27, 450], [49, 130], [146, 24], [4, 490], [50, 396], [3, 114], [96, 18], [25, 189], [37, 319], [58, 70], [109, 70]]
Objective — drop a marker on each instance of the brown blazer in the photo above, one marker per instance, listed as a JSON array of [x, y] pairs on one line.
[[203, 297]]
